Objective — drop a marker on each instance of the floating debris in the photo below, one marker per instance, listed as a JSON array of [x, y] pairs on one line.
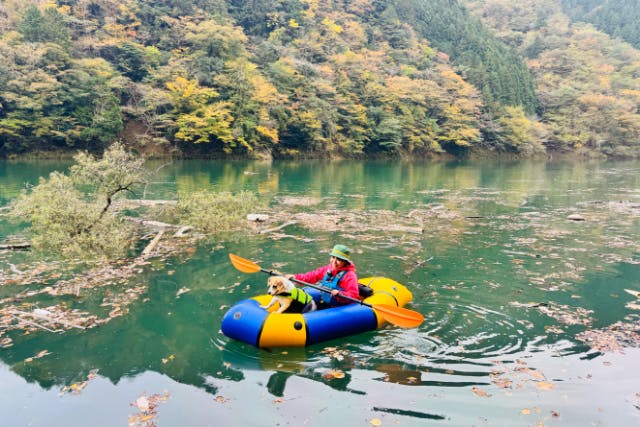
[[77, 387], [613, 338], [333, 373], [181, 291], [148, 409], [562, 313]]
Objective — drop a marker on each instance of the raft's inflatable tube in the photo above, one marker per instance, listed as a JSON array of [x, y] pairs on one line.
[[248, 322]]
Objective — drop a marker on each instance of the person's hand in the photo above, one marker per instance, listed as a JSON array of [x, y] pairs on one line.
[[335, 292]]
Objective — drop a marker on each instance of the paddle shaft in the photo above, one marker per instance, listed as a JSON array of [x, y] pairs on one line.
[[320, 288]]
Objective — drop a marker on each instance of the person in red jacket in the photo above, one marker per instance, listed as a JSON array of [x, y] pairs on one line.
[[339, 276]]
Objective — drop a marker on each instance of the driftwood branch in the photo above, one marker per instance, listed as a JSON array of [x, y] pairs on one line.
[[47, 318], [280, 227], [37, 325], [11, 246], [149, 223], [183, 231], [134, 203], [151, 246]]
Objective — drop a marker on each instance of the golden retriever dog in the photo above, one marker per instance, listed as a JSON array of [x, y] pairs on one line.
[[290, 298]]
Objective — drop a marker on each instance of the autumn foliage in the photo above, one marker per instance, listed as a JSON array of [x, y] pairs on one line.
[[313, 78]]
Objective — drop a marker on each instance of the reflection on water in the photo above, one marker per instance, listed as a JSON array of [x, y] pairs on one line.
[[500, 273]]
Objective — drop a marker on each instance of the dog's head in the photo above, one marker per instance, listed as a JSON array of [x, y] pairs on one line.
[[277, 285]]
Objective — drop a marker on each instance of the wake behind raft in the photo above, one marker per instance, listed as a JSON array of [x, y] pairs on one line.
[[248, 322]]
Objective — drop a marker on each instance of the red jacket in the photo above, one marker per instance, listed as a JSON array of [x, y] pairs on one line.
[[348, 285]]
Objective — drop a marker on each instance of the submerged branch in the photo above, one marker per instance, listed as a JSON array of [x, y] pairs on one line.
[[47, 318], [280, 227], [12, 246]]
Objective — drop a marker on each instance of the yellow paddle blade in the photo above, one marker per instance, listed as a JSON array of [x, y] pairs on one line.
[[399, 316], [244, 265]]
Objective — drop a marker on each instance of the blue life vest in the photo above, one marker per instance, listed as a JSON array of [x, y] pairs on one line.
[[331, 282]]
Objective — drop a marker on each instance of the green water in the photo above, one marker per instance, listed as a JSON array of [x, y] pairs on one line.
[[496, 240]]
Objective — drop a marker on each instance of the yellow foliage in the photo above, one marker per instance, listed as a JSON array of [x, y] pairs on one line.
[[213, 120], [332, 26], [404, 87], [115, 30], [605, 82], [597, 100], [270, 133], [310, 120], [97, 66], [293, 23], [188, 95], [182, 87], [312, 8], [467, 135], [634, 93], [263, 91]]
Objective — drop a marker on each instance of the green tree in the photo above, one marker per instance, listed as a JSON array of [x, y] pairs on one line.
[[37, 27], [75, 223], [32, 25]]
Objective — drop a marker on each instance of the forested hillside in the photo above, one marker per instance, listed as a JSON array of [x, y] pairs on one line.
[[588, 84], [618, 18], [313, 78]]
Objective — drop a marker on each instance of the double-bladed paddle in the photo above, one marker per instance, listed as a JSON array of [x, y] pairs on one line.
[[397, 315]]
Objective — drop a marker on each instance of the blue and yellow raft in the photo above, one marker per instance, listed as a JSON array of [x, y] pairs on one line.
[[248, 322]]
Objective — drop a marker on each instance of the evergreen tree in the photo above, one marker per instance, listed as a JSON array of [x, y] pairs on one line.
[[32, 26]]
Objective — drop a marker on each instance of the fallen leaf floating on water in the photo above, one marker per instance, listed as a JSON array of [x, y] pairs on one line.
[[562, 313], [613, 338], [181, 291], [76, 388], [502, 382], [544, 385], [634, 293], [37, 356], [479, 392], [143, 404], [375, 422], [93, 374], [336, 353], [147, 407], [525, 411], [334, 373]]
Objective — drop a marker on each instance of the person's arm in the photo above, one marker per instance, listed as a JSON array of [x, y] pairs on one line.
[[312, 276]]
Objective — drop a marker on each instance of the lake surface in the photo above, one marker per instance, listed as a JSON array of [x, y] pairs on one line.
[[506, 281]]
